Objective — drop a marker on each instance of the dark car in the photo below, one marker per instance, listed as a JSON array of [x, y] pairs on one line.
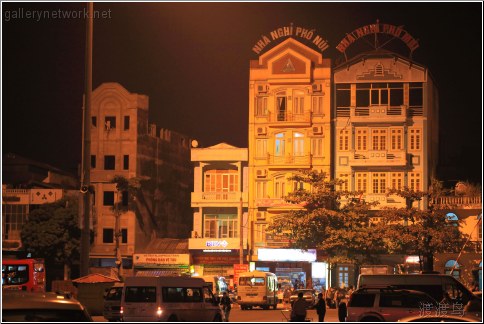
[[309, 295], [386, 304], [42, 307]]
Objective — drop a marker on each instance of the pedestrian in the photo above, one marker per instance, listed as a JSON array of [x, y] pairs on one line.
[[226, 305], [330, 297], [321, 307], [342, 312], [299, 312], [287, 297]]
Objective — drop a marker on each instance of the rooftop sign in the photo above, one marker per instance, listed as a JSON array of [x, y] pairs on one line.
[[395, 31], [304, 33]]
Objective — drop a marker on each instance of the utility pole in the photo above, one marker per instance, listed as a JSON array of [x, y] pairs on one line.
[[241, 247], [85, 199]]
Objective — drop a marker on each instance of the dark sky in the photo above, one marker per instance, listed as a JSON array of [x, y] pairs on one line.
[[192, 60]]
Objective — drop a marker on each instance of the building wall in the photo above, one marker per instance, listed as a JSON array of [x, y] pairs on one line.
[[384, 127], [289, 130], [124, 143], [219, 203]]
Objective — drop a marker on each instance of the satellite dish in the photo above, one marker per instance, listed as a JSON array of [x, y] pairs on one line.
[[194, 143]]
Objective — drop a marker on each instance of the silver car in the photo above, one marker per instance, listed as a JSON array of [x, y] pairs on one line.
[[42, 307]]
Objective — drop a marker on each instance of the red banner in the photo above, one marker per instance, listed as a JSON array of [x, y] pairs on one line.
[[238, 269]]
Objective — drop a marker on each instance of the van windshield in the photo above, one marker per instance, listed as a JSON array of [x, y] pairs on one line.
[[251, 281], [114, 294]]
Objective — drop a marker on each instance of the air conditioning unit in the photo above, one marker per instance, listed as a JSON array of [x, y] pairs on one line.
[[262, 88], [261, 130], [317, 87], [318, 130], [261, 173], [260, 215]]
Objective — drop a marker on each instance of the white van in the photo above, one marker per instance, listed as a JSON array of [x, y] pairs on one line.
[[257, 288], [112, 302], [169, 298]]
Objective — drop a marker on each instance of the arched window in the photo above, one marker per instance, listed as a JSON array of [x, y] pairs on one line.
[[449, 265], [452, 218]]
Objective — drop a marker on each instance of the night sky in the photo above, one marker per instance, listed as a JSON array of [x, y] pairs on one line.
[[192, 60]]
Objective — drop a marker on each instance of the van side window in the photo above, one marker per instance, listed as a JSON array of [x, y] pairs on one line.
[[180, 295], [140, 294]]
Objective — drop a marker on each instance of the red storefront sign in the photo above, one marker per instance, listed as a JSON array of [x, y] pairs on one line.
[[238, 269]]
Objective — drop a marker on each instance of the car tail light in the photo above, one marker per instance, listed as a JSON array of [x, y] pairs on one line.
[[159, 311], [121, 310]]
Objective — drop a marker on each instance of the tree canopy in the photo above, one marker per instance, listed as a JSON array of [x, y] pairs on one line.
[[52, 232], [346, 227]]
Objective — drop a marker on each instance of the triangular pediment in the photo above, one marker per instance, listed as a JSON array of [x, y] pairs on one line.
[[222, 146], [288, 64], [294, 46]]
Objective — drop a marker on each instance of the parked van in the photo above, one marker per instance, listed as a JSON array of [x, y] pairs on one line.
[[168, 298], [112, 302], [433, 284], [257, 288]]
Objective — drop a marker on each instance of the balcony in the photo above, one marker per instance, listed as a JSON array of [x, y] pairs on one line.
[[285, 119], [378, 158], [218, 198], [374, 114], [463, 202], [289, 160]]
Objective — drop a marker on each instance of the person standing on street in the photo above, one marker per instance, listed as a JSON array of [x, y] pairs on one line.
[[299, 312], [321, 307], [342, 312], [226, 305]]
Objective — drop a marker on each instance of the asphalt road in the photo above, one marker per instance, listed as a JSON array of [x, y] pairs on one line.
[[260, 315]]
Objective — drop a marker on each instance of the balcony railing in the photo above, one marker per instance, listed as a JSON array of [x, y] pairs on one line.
[[289, 159], [382, 157], [459, 201], [219, 196], [285, 117], [368, 114]]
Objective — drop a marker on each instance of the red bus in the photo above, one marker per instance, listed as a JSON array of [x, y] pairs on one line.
[[23, 274]]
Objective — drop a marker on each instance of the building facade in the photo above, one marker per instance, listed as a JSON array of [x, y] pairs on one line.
[[220, 203], [289, 130], [385, 131], [25, 184], [157, 163]]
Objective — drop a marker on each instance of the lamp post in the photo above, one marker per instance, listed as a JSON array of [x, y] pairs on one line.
[[85, 198]]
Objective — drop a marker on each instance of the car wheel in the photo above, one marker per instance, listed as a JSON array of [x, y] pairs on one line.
[[370, 319], [218, 318], [172, 318]]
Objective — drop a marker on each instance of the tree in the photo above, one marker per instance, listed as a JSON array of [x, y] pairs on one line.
[[422, 232], [343, 232], [52, 232]]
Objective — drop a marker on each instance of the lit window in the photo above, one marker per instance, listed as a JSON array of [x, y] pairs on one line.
[[280, 143], [298, 144]]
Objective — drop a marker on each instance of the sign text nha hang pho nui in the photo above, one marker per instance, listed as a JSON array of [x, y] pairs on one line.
[[300, 32]]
